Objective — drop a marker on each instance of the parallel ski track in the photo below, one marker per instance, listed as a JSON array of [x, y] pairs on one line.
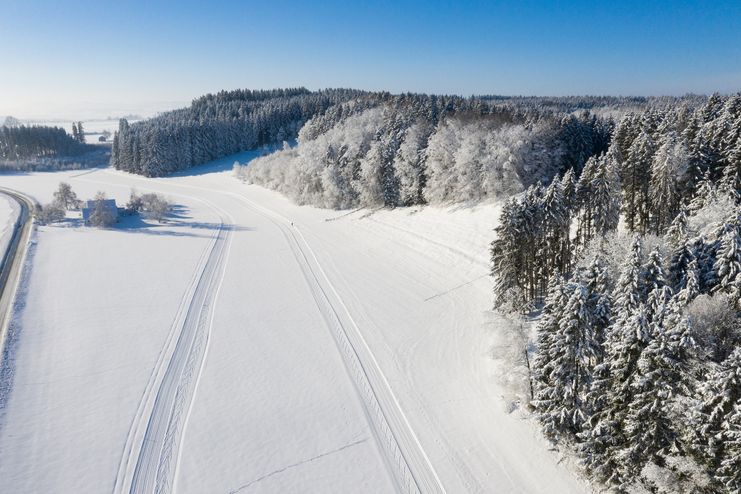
[[151, 454], [405, 457], [157, 461], [410, 466]]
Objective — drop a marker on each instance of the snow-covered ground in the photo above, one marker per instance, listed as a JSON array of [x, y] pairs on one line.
[[9, 211], [345, 352]]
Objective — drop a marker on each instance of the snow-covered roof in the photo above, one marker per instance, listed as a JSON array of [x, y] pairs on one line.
[[109, 204]]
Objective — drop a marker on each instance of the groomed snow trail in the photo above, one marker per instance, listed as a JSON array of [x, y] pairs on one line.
[[405, 458], [404, 455], [154, 470]]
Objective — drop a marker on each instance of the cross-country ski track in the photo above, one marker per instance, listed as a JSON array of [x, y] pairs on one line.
[[302, 355]]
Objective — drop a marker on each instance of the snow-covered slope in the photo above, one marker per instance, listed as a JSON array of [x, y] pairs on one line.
[[347, 352]]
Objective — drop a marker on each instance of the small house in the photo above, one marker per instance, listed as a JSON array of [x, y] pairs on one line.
[[108, 204]]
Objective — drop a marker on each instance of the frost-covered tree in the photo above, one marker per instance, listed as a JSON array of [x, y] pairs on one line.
[[546, 332], [50, 213], [728, 261], [573, 352], [690, 287], [605, 196], [66, 197], [651, 428], [509, 260], [409, 164], [716, 427], [101, 216], [668, 171]]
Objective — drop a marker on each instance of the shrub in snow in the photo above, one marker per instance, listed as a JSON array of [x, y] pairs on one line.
[[150, 205], [50, 213]]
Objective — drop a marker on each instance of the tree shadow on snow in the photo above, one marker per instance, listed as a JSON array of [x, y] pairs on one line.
[[177, 218]]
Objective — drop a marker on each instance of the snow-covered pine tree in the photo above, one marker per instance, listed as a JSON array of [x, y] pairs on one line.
[[635, 180], [704, 193], [508, 259], [585, 202], [651, 428], [714, 439], [677, 232], [606, 196], [596, 279], [729, 472], [653, 272], [573, 354], [545, 331], [727, 265], [568, 189], [668, 169], [610, 391], [690, 286], [555, 230]]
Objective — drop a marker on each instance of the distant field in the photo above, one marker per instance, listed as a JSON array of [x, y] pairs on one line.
[[93, 128]]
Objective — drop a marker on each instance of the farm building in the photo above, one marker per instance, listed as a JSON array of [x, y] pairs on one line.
[[108, 204]]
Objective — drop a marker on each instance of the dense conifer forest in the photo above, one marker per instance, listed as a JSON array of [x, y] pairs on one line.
[[20, 142], [217, 125], [632, 268]]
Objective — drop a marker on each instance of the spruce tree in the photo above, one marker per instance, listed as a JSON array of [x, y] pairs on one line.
[[546, 330], [727, 265], [717, 430], [651, 428], [691, 285], [573, 354], [80, 133], [635, 179], [605, 196], [667, 171]]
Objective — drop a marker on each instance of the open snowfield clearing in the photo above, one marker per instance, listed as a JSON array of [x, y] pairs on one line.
[[275, 348], [8, 215]]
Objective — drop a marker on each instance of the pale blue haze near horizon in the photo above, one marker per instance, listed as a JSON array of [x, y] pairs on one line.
[[90, 59]]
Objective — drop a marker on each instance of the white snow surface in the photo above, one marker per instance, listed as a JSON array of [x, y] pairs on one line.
[[271, 403], [9, 211]]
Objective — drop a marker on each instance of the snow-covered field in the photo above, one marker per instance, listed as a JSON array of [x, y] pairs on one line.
[[8, 215], [324, 351]]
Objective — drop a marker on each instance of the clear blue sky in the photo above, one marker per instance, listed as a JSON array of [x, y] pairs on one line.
[[63, 58]]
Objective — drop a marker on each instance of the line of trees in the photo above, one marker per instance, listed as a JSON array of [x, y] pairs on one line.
[[218, 125], [22, 142], [637, 361], [411, 149]]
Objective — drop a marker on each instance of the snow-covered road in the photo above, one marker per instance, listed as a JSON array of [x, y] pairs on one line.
[[350, 355]]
